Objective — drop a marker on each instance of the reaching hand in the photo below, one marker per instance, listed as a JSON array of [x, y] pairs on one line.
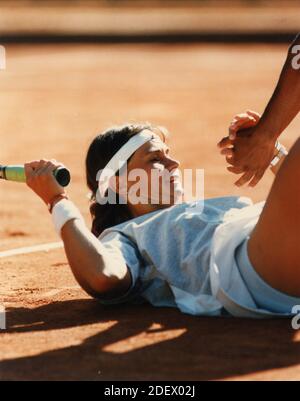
[[247, 151]]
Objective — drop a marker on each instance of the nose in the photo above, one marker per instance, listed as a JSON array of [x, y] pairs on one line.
[[172, 164]]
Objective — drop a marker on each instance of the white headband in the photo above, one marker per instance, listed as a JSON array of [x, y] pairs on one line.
[[120, 158]]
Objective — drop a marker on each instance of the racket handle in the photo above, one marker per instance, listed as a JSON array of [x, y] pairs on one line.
[[17, 173]]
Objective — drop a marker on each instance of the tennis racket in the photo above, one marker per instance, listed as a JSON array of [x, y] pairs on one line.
[[17, 173]]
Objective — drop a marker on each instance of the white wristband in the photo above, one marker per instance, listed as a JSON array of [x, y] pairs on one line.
[[62, 212]]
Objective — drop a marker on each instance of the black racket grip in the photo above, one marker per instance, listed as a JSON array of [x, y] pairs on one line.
[[63, 176]]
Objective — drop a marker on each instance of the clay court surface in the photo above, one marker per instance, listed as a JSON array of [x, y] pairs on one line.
[[53, 100]]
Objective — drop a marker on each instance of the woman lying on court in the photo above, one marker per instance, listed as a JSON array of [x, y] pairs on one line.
[[176, 254], [223, 255]]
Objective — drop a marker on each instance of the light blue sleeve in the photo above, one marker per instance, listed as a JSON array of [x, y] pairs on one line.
[[123, 250]]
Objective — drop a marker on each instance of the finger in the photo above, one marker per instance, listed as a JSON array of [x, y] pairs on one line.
[[232, 134], [240, 116], [254, 114], [49, 166], [227, 152], [28, 168], [245, 115], [239, 123], [39, 166], [244, 120], [258, 176], [32, 164], [235, 170], [42, 162], [225, 142], [31, 168], [244, 179], [234, 120]]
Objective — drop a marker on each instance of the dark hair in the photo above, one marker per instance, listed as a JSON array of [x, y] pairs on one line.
[[101, 150]]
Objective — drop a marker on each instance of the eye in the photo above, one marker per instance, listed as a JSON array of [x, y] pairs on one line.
[[156, 159]]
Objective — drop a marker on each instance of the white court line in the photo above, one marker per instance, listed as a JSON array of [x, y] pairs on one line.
[[31, 249]]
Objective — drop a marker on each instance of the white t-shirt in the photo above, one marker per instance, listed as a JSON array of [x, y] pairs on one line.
[[183, 256]]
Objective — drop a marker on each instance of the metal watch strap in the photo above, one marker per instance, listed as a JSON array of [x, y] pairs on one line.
[[281, 152]]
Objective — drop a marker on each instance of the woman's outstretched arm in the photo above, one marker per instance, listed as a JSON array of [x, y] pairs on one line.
[[97, 271]]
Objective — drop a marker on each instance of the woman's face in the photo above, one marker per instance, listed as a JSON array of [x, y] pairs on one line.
[[153, 175]]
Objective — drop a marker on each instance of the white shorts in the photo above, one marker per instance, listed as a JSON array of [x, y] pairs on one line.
[[265, 296]]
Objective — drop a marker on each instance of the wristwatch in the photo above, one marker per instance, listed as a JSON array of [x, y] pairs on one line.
[[282, 151]]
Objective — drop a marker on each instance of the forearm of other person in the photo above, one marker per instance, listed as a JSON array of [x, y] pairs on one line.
[[284, 104]]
